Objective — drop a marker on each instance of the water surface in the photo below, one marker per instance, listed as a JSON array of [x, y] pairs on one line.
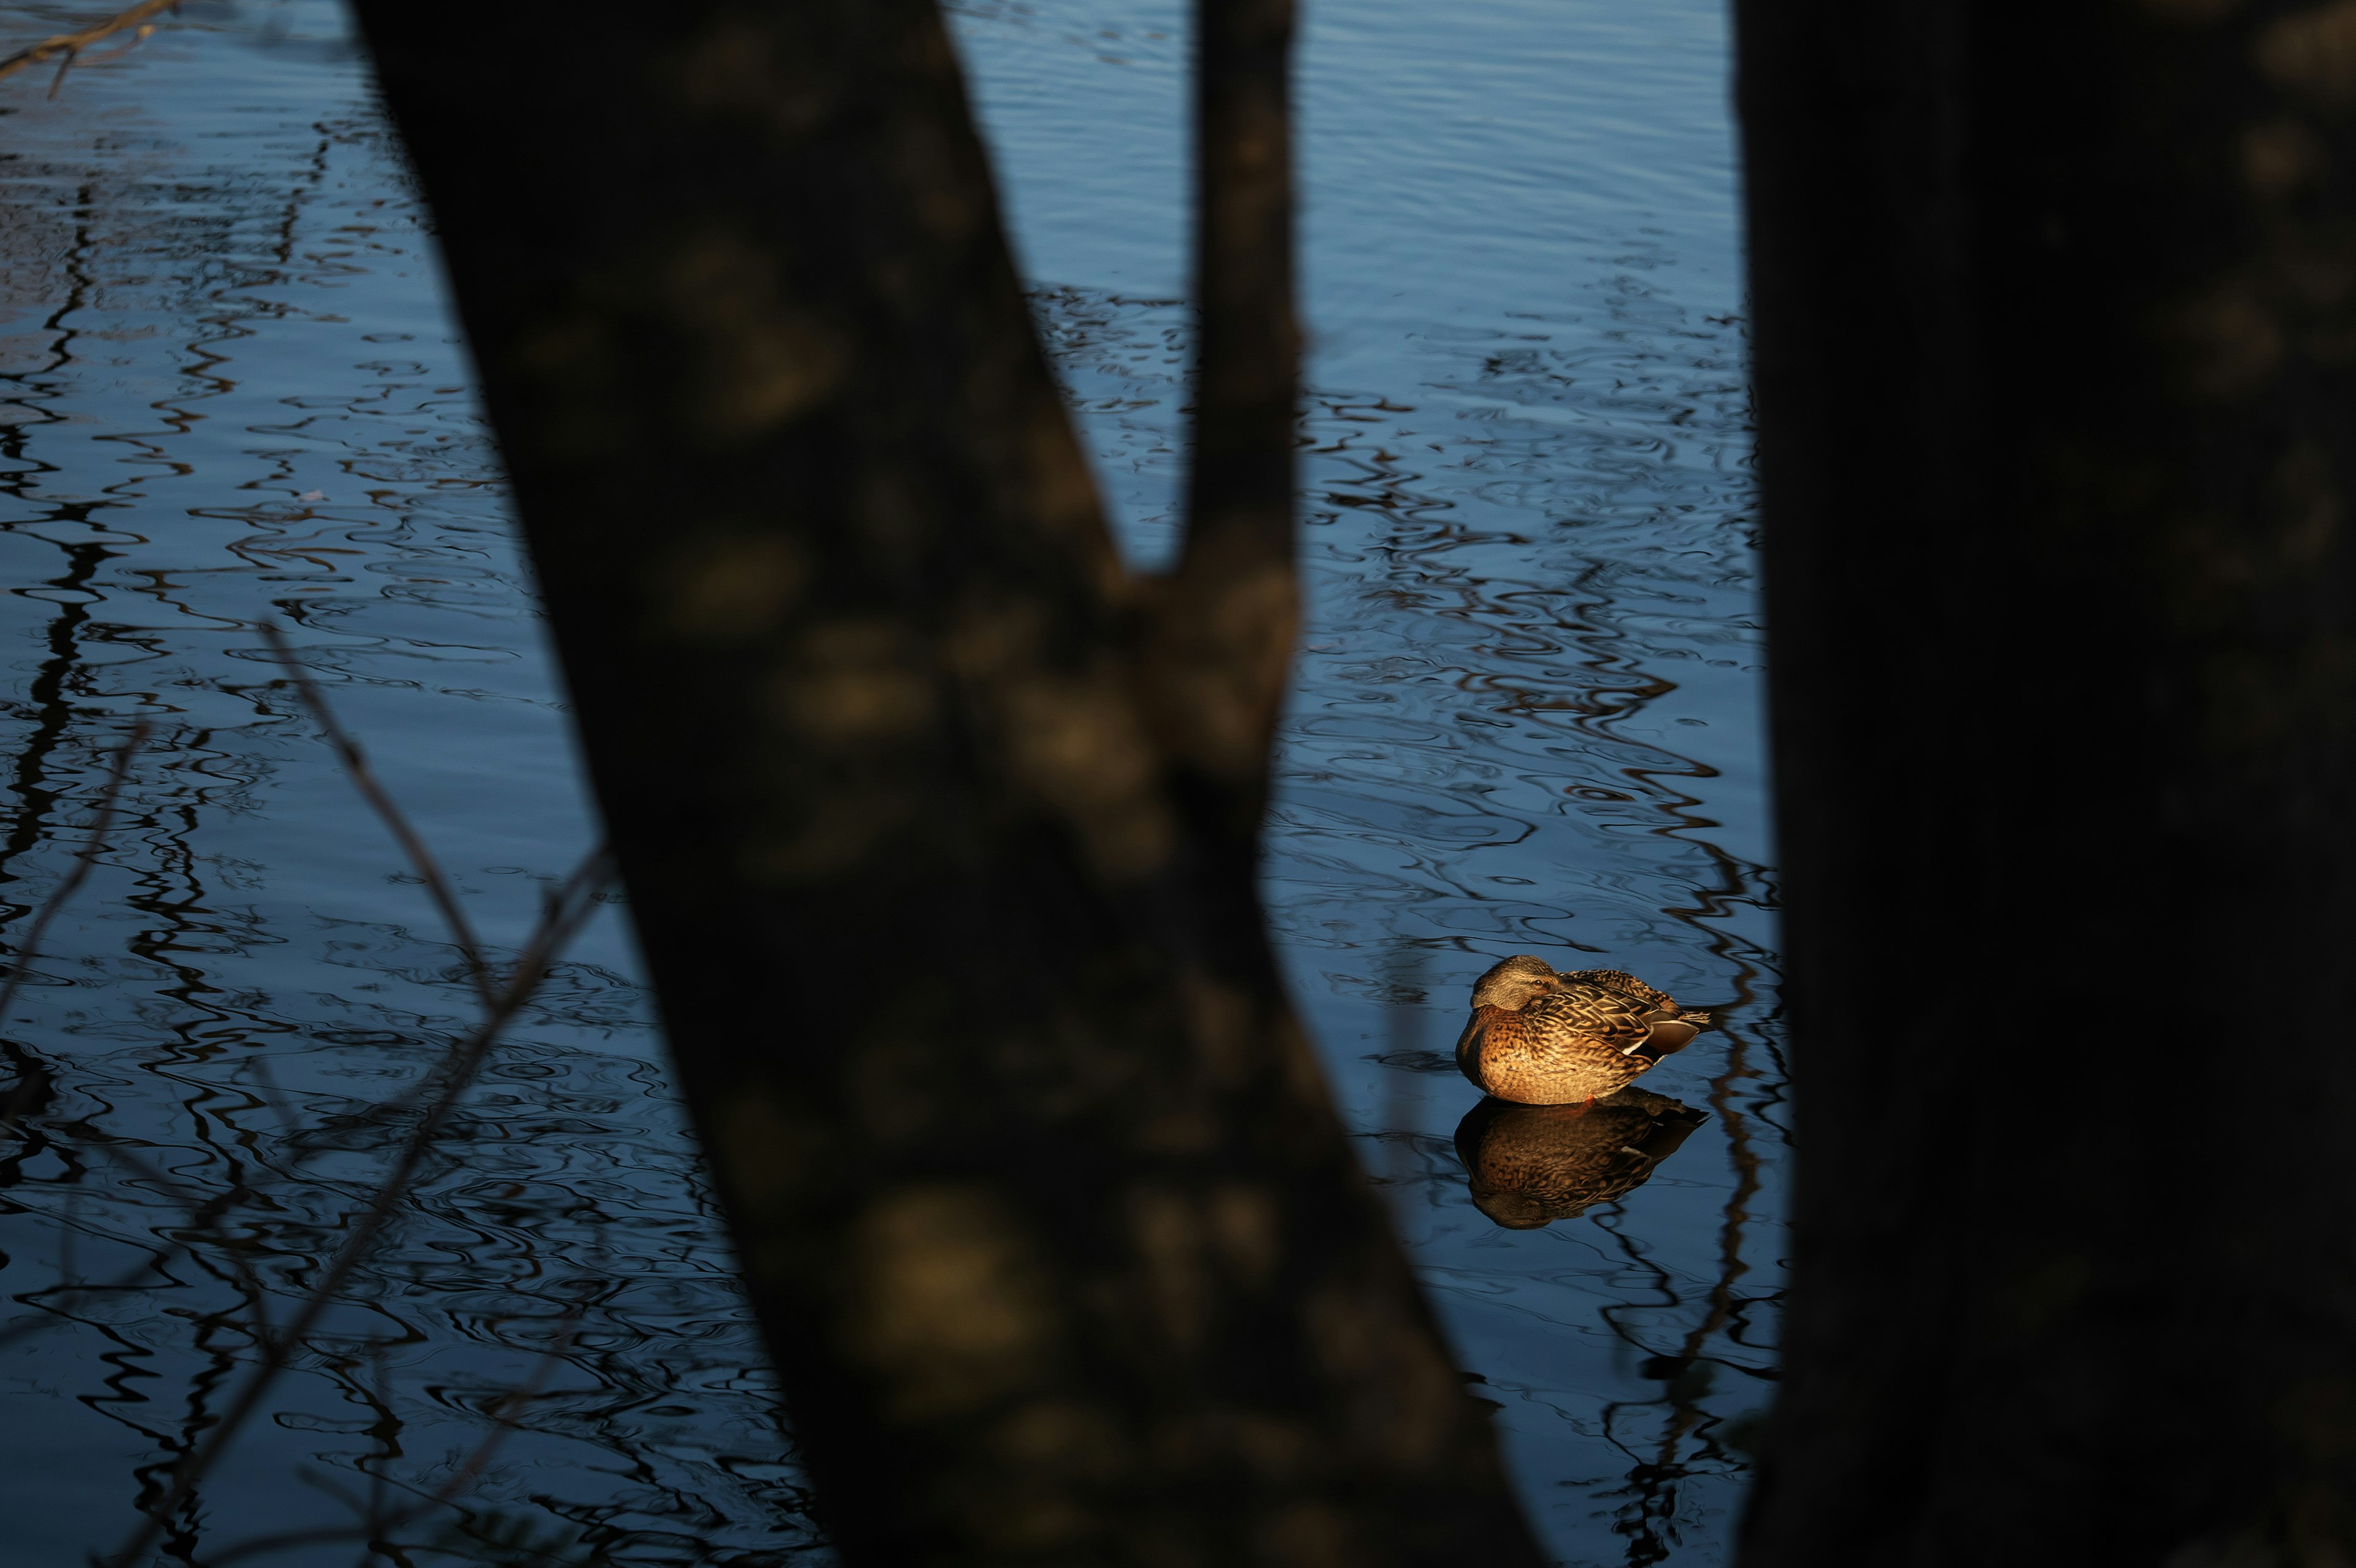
[[1526, 720]]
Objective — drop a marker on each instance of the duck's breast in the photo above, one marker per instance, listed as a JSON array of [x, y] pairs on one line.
[[1543, 1056], [1475, 1041]]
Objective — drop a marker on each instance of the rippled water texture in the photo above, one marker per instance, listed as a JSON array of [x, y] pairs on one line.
[[1527, 720]]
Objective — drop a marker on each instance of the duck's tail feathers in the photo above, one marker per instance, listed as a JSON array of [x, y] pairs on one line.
[[1667, 1037]]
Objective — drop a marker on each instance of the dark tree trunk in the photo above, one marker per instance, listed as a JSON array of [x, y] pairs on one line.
[[938, 829], [2056, 372]]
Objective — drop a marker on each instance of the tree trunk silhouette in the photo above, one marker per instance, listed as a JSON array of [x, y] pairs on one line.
[[2056, 376], [938, 827]]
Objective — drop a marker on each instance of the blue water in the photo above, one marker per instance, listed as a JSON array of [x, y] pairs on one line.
[[1527, 719]]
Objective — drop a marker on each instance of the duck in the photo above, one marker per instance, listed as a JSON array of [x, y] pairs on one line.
[[1528, 1166], [1538, 1037]]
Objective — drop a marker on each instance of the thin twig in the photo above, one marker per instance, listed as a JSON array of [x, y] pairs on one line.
[[275, 1097], [73, 44], [379, 1524], [83, 860], [566, 912], [563, 911], [348, 751], [376, 1474], [25, 1327], [513, 1400], [206, 1215]]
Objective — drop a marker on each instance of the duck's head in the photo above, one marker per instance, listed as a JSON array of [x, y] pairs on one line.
[[1514, 984]]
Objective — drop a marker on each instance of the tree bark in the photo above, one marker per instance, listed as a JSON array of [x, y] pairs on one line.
[[2055, 361], [938, 827]]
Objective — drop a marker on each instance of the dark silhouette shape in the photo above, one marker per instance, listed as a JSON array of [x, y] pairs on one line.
[[2055, 371], [939, 827], [1529, 1166]]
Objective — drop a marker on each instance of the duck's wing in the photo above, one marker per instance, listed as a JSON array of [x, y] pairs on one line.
[[1592, 1012], [1627, 985]]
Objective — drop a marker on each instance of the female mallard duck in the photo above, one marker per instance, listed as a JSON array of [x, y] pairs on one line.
[[1542, 1038]]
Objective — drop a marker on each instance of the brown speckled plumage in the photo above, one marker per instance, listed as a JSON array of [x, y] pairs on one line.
[[1532, 1165], [1539, 1038]]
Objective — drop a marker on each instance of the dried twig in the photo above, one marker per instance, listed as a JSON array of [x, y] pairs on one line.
[[354, 763], [567, 911], [25, 1327], [564, 910], [70, 45], [378, 1524], [205, 1214], [84, 858], [514, 1400], [118, 771], [275, 1097]]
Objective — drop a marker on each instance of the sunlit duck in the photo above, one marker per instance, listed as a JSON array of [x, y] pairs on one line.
[[1543, 1039]]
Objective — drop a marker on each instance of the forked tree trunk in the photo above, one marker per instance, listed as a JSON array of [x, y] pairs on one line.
[[937, 826], [2056, 373]]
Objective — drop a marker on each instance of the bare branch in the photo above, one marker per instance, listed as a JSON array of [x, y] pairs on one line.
[[71, 44], [567, 911], [514, 1400], [420, 859], [25, 1327], [377, 1523], [275, 1097], [206, 1215], [84, 858], [564, 910]]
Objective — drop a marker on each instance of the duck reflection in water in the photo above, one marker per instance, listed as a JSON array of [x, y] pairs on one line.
[[1532, 1165]]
